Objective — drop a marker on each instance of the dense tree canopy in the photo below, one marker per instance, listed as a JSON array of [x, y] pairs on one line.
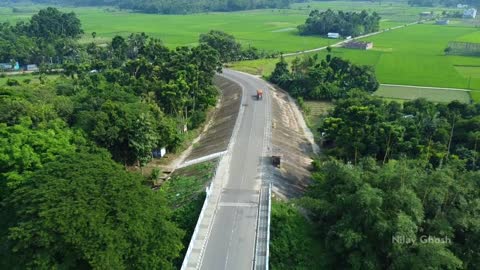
[[344, 23], [64, 202], [85, 211], [229, 49], [329, 78], [362, 126], [48, 37], [396, 216]]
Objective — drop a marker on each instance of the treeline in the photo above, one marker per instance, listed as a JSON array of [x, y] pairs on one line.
[[344, 23], [230, 50], [176, 6], [448, 3], [326, 79], [397, 186], [65, 202], [397, 189], [364, 126], [49, 36]]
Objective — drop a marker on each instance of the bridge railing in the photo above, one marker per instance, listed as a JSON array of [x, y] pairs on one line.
[[197, 227], [262, 242]]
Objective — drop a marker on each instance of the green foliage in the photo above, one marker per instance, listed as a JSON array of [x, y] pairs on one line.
[[362, 126], [83, 210], [375, 217], [326, 79], [46, 37], [51, 24], [25, 148], [223, 43], [229, 49], [293, 244], [344, 23]]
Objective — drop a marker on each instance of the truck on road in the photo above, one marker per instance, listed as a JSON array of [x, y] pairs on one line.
[[259, 94]]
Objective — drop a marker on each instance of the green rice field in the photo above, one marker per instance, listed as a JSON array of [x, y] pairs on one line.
[[272, 30], [432, 94], [409, 56]]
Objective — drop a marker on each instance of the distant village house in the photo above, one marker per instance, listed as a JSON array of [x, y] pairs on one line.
[[333, 35], [442, 22], [9, 66], [361, 45], [470, 13], [32, 67], [426, 13]]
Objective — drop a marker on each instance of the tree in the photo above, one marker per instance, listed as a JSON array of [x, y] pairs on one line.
[[281, 74], [50, 24], [223, 43], [375, 217], [345, 23], [85, 211]]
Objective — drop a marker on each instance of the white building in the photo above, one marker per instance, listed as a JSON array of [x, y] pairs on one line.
[[470, 13], [333, 35]]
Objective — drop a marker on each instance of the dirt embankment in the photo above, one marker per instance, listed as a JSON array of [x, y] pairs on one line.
[[216, 138], [215, 134], [289, 139]]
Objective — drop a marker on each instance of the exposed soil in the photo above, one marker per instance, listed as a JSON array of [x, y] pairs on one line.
[[217, 136], [289, 139]]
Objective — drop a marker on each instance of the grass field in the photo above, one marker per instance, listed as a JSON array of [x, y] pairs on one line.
[[409, 56], [21, 78], [313, 112], [432, 94], [273, 30]]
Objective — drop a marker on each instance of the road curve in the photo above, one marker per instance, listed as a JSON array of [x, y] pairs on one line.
[[231, 227]]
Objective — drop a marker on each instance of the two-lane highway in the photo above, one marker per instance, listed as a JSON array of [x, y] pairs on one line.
[[230, 241]]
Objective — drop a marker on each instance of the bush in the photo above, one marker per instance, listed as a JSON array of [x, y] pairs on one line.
[[12, 82]]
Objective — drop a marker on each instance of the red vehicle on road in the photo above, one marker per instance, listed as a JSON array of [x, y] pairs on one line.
[[259, 94]]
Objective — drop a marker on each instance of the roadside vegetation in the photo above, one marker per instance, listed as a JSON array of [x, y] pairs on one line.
[[313, 79], [67, 140], [400, 176], [185, 195]]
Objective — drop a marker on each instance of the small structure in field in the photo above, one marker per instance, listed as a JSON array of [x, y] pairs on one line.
[[443, 22], [361, 45], [462, 6], [333, 35], [32, 67], [159, 153], [9, 66], [426, 14], [470, 13]]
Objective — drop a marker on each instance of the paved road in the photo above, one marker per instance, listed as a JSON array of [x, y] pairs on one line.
[[227, 231], [231, 242]]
